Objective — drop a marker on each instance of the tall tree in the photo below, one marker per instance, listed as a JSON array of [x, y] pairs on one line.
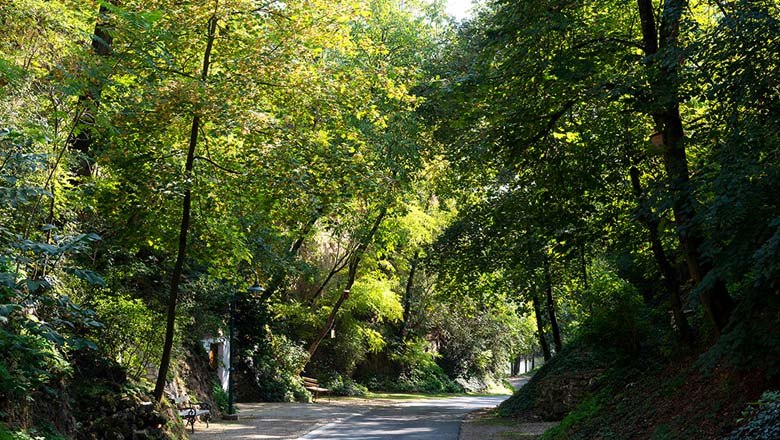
[[184, 225], [662, 48], [102, 39], [354, 263]]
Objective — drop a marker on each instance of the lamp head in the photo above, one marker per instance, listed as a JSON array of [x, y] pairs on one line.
[[255, 288]]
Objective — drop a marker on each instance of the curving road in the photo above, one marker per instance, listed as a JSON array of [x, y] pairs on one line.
[[434, 419], [358, 419]]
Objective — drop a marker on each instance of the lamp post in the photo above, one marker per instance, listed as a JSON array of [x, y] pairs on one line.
[[231, 413]]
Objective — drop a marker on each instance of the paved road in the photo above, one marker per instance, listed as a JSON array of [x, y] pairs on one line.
[[357, 419], [437, 419], [276, 421]]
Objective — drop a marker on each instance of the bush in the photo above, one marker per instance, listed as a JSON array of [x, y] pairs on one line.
[[428, 379], [423, 379], [420, 372], [133, 335], [752, 339], [36, 346], [763, 419], [475, 343], [220, 396], [272, 368], [620, 324], [44, 432], [585, 411], [344, 386]]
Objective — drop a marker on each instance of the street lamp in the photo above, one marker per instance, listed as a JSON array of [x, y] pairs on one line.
[[231, 413]]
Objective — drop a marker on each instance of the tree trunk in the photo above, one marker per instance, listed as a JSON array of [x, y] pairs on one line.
[[583, 267], [716, 300], [540, 327], [409, 290], [556, 331], [279, 278], [407, 299], [650, 221], [183, 227], [338, 266], [81, 139], [353, 267]]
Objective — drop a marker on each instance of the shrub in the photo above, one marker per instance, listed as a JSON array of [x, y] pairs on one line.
[[133, 335], [477, 343], [424, 379], [428, 379], [344, 386], [38, 433], [763, 419], [273, 370], [420, 371], [36, 346], [620, 324], [220, 396]]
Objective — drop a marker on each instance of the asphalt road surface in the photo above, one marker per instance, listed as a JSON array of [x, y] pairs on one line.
[[437, 419]]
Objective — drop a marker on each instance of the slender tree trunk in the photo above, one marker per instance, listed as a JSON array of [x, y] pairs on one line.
[[338, 266], [353, 267], [540, 327], [279, 278], [584, 274], [716, 300], [183, 227], [583, 267], [650, 221], [408, 291], [556, 331]]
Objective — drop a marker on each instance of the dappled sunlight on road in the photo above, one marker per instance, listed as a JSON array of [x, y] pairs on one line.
[[365, 419], [276, 420], [434, 419]]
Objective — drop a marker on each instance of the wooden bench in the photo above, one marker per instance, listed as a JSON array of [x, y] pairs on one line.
[[189, 412], [313, 385]]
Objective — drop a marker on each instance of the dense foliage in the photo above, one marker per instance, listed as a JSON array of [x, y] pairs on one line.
[[415, 201], [159, 157]]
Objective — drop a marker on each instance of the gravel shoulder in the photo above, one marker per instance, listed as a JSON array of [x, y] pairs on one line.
[[484, 424]]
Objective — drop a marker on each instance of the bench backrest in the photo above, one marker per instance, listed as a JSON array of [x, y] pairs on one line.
[[310, 382]]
